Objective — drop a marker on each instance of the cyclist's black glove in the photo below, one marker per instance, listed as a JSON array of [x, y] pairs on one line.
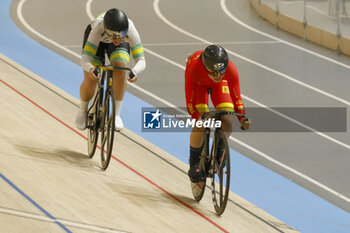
[[132, 74], [95, 72]]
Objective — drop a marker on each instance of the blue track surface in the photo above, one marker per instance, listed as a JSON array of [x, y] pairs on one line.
[[278, 196]]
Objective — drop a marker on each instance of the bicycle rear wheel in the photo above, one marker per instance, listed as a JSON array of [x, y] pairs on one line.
[[199, 188], [221, 173], [93, 125], [108, 127]]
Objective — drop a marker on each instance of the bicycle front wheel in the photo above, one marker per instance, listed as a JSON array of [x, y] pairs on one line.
[[92, 126], [220, 166], [108, 126]]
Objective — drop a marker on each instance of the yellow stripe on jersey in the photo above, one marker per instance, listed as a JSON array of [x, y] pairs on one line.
[[225, 106], [90, 49], [120, 55], [137, 51], [202, 108]]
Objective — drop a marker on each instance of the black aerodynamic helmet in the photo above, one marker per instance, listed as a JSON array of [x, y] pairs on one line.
[[215, 58], [116, 20]]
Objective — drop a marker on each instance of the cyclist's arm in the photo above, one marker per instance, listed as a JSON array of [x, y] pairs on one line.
[[233, 83], [90, 48], [136, 48]]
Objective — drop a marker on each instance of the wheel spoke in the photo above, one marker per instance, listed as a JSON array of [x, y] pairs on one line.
[[221, 178]]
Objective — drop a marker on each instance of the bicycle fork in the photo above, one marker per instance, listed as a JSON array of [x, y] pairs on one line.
[[106, 82], [214, 153]]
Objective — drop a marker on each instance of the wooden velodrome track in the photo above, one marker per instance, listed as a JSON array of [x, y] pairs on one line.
[[48, 183], [274, 73], [273, 64]]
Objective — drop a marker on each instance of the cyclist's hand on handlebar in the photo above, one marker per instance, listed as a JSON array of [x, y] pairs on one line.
[[245, 123], [132, 76], [93, 73]]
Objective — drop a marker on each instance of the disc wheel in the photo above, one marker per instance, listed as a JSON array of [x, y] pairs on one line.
[[108, 127]]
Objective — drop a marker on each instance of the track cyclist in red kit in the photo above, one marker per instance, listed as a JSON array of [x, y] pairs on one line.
[[211, 71]]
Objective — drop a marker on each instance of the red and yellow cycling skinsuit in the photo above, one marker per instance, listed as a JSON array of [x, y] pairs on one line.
[[225, 95]]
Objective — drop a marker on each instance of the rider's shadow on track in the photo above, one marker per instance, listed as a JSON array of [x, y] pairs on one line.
[[140, 193], [176, 198], [57, 155]]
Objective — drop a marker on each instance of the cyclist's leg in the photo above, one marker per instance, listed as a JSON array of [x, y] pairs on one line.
[[119, 56], [87, 88], [200, 104], [197, 104], [221, 98]]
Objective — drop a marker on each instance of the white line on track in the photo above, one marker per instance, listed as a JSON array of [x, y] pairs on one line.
[[72, 46], [165, 20], [160, 15], [230, 15], [155, 5], [88, 9], [216, 42], [39, 217], [194, 43], [20, 16]]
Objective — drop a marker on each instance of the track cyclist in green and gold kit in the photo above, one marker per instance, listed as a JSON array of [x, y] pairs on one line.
[[114, 33]]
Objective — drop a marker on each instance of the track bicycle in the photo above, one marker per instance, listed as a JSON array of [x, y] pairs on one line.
[[101, 114], [213, 165]]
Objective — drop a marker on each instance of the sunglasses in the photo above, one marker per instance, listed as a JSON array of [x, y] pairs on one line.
[[217, 73], [116, 35]]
